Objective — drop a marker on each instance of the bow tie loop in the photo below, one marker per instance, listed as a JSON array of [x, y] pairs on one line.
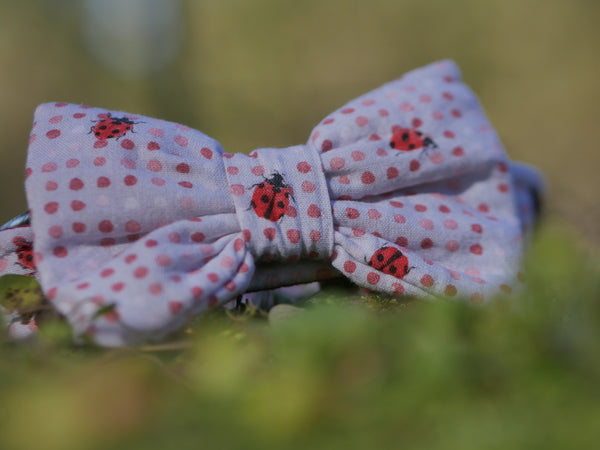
[[282, 203]]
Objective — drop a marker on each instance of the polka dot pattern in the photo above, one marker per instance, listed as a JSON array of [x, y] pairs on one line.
[[405, 190]]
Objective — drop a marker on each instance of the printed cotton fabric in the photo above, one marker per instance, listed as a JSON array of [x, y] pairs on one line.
[[406, 190]]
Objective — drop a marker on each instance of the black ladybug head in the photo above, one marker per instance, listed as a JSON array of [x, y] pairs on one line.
[[276, 180]]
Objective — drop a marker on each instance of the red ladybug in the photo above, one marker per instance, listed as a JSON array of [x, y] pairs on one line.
[[390, 260], [271, 198], [112, 127], [408, 139], [24, 253]]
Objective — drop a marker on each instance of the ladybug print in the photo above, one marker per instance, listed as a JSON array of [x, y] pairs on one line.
[[24, 253], [408, 139], [390, 260], [271, 198], [112, 127]]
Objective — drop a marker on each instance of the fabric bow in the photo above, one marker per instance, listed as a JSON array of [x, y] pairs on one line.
[[405, 190]]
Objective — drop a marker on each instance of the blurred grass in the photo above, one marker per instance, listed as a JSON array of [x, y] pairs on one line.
[[520, 373], [263, 73]]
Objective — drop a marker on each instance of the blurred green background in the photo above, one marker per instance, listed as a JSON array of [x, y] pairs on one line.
[[264, 72]]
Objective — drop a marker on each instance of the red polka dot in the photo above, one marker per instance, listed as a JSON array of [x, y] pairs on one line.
[[449, 134], [175, 307], [196, 291], [238, 244], [328, 121], [451, 224], [406, 107], [420, 208], [154, 165], [315, 235], [51, 207], [368, 102], [349, 266], [367, 178], [426, 243], [130, 258], [374, 214], [361, 121], [425, 98], [427, 280], [347, 110], [358, 233], [426, 224], [162, 260], [72, 163], [231, 170], [450, 290], [308, 186], [158, 181], [75, 184], [197, 237], [444, 209], [127, 144], [117, 287], [140, 272], [447, 96], [381, 152], [155, 288], [153, 146], [314, 211], [206, 152], [436, 158], [293, 236], [106, 226], [398, 288], [343, 179], [130, 180], [414, 165], [358, 156], [79, 227], [337, 163], [79, 115], [237, 189], [51, 186], [183, 168], [383, 112], [303, 167], [247, 235], [53, 134], [503, 187], [402, 241], [213, 277], [103, 182], [156, 132], [373, 278], [77, 205], [392, 173], [181, 140], [55, 231], [100, 143], [437, 115], [399, 218], [270, 233], [416, 122], [476, 249], [99, 161], [483, 207], [503, 167], [452, 246], [477, 228], [186, 184], [49, 167], [175, 237], [151, 243], [352, 213], [326, 145], [456, 113], [458, 151], [60, 252]]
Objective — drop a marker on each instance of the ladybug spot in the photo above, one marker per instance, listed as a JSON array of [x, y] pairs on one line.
[[405, 137], [264, 199], [280, 204], [411, 146], [97, 133], [102, 127], [392, 269], [379, 257], [261, 185], [253, 204], [128, 127], [393, 144], [115, 131], [110, 136]]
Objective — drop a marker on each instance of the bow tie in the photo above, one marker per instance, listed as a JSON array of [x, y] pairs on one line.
[[405, 190]]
